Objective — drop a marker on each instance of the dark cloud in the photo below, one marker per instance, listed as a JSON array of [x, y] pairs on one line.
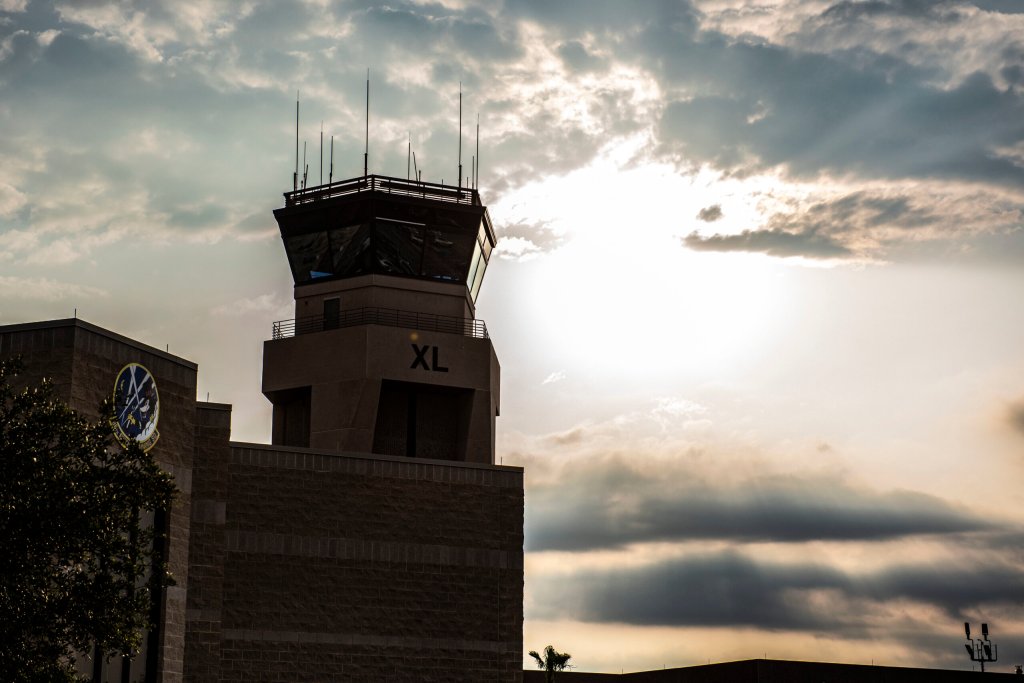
[[774, 242], [577, 17], [577, 58], [734, 589], [612, 505], [849, 10], [721, 589], [425, 32], [710, 214], [1015, 416], [951, 588], [1003, 6], [853, 225], [750, 107]]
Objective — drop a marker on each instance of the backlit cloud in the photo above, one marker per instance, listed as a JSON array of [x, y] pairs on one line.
[[611, 503]]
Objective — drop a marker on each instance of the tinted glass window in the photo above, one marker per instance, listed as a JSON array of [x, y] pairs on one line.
[[308, 256], [398, 247], [478, 278], [350, 249], [446, 254], [474, 263]]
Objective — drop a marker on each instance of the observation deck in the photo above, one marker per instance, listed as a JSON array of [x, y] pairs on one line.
[[379, 225], [388, 317]]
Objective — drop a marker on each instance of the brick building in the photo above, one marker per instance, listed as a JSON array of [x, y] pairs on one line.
[[374, 539]]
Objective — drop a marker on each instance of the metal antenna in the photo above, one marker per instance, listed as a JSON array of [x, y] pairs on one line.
[[476, 176], [408, 157], [473, 172], [980, 650], [305, 166], [330, 173], [459, 183], [366, 150], [321, 152], [295, 176], [415, 168]]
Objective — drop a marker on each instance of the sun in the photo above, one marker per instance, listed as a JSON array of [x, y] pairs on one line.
[[623, 297]]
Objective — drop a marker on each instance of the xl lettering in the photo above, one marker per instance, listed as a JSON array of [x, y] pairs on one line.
[[421, 359]]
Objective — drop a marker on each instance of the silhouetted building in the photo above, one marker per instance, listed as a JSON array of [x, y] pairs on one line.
[[776, 671], [375, 539]]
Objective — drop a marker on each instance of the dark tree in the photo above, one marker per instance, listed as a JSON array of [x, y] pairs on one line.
[[552, 662], [74, 558]]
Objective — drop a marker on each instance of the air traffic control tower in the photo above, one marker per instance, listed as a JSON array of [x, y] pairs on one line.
[[385, 354]]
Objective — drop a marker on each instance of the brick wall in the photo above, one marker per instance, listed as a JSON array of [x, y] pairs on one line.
[[206, 543], [357, 567]]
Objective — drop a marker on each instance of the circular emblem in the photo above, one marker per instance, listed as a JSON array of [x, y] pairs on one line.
[[136, 406]]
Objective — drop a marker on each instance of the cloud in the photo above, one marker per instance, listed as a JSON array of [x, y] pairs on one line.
[[578, 58], [746, 107], [612, 504], [730, 588], [872, 223], [11, 200], [522, 241], [556, 376], [848, 10], [272, 302], [1004, 6], [1015, 416], [46, 289], [773, 242], [716, 589], [710, 214]]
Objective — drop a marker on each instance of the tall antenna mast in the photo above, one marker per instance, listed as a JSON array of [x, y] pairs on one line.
[[459, 184], [295, 176], [330, 173], [366, 150], [321, 152], [415, 168], [476, 174], [408, 157], [305, 166]]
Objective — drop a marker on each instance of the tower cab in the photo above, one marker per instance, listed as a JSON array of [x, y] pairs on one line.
[[385, 353]]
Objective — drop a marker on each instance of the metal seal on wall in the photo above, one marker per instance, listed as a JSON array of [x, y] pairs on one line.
[[136, 406]]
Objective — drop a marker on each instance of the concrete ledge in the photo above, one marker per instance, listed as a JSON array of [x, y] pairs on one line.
[[451, 471]]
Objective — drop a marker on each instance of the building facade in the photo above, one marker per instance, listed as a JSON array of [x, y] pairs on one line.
[[374, 539]]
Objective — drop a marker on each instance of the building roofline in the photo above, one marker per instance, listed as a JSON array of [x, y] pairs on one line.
[[103, 332], [376, 456]]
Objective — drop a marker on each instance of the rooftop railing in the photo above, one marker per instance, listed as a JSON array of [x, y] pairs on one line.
[[427, 322], [386, 184]]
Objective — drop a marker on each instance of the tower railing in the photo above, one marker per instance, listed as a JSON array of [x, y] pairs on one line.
[[389, 317], [388, 185]]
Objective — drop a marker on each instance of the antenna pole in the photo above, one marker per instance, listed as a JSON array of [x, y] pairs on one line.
[[476, 176], [330, 172], [321, 152], [295, 176], [459, 184], [415, 168], [366, 149], [305, 166], [408, 157]]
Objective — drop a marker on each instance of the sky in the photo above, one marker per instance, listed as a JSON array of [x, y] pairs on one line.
[[756, 295]]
